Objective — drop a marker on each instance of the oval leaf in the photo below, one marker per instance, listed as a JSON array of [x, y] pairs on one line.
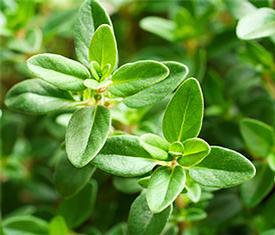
[[86, 134], [58, 70], [254, 190], [195, 150], [25, 224], [222, 168], [259, 23], [143, 221], [36, 96], [103, 48], [164, 186], [74, 212], [65, 184], [160, 90], [184, 113], [123, 156], [155, 146], [134, 77], [258, 136], [90, 16]]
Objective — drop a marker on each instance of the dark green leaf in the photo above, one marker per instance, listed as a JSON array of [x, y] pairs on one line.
[[143, 221], [90, 16], [86, 134], [67, 185], [123, 156], [127, 185], [25, 224], [77, 209], [222, 168], [254, 190], [36, 96], [164, 186], [58, 70], [184, 113], [258, 137]]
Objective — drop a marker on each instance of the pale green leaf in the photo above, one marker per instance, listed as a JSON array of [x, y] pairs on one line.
[[58, 70], [156, 146], [58, 226], [223, 168], [257, 24], [103, 48], [123, 156], [160, 90], [134, 77], [184, 113], [36, 96], [90, 16], [195, 150], [86, 134], [164, 186]]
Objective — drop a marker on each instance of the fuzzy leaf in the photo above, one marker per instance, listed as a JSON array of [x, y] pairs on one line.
[[195, 150], [257, 24], [222, 168], [143, 221], [67, 185], [90, 16], [184, 113], [123, 156], [258, 136], [160, 90], [58, 70], [103, 48], [86, 134], [164, 186], [74, 212], [134, 77], [36, 96]]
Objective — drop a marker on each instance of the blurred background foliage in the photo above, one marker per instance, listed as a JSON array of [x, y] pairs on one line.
[[238, 80]]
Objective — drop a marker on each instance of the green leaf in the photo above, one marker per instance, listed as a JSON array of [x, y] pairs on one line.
[[25, 224], [142, 221], [257, 136], [78, 208], [123, 156], [160, 90], [86, 134], [58, 70], [222, 168], [67, 185], [127, 185], [184, 113], [159, 26], [134, 77], [36, 96], [119, 229], [257, 24], [176, 148], [239, 8], [90, 16], [155, 146], [58, 226], [103, 48], [165, 185], [193, 190], [271, 161], [195, 150], [255, 190]]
